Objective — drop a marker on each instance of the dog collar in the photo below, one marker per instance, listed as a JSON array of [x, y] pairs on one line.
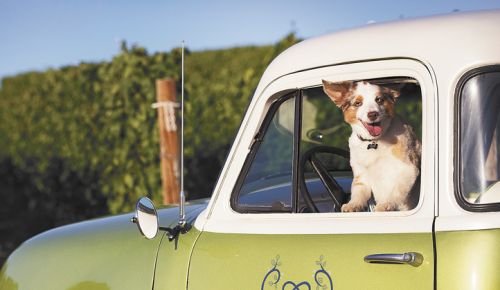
[[373, 143]]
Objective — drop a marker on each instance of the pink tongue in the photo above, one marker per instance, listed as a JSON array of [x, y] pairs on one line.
[[374, 130]]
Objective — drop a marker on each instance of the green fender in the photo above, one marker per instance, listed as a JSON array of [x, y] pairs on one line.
[[102, 254]]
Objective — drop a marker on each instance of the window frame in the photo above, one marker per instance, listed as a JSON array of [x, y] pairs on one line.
[[297, 133], [460, 198], [222, 218]]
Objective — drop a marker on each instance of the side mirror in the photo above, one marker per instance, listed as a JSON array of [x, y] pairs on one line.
[[146, 218]]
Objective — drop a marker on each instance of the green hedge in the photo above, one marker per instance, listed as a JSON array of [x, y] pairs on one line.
[[96, 120]]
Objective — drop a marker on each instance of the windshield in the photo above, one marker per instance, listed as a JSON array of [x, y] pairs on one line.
[[480, 138]]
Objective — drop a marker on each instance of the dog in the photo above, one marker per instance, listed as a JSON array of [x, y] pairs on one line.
[[384, 150]]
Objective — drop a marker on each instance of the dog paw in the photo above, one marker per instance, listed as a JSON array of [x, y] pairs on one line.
[[386, 206], [349, 207]]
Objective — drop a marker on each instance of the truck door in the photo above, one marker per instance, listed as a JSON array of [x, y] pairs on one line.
[[279, 224]]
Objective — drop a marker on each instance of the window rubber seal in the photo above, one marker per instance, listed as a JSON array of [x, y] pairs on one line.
[[296, 151]]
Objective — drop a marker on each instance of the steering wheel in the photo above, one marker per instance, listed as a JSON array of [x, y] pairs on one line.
[[335, 191]]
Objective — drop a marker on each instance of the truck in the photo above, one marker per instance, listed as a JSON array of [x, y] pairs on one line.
[[274, 219]]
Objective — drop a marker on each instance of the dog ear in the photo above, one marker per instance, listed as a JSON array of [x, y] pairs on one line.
[[338, 92], [394, 93]]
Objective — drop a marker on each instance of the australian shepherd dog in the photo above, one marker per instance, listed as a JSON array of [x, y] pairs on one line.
[[384, 150]]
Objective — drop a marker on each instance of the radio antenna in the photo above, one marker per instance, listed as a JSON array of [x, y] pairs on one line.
[[182, 213]]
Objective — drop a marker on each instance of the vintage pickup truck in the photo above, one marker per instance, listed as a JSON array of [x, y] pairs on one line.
[[274, 218]]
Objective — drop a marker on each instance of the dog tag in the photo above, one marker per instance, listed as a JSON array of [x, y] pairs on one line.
[[372, 145]]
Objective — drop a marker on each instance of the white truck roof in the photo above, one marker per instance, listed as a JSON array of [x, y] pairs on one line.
[[445, 43]]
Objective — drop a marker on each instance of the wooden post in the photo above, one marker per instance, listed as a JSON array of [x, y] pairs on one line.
[[169, 145]]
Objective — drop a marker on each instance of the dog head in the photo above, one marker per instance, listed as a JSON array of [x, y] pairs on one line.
[[368, 108]]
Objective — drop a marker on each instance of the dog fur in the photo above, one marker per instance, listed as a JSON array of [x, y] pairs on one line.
[[390, 166]]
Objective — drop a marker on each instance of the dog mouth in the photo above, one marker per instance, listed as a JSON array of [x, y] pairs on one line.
[[375, 128]]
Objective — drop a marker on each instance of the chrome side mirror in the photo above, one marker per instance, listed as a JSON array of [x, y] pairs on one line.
[[146, 218]]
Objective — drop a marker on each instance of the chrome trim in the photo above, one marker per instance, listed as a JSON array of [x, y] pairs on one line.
[[410, 258]]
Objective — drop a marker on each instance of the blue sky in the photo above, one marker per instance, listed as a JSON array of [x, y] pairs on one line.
[[36, 35]]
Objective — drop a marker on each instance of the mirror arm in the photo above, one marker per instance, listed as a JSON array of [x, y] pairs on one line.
[[174, 233]]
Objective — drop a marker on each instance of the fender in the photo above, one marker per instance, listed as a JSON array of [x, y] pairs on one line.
[[101, 254]]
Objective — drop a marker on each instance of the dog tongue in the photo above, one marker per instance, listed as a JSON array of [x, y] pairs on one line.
[[374, 129]]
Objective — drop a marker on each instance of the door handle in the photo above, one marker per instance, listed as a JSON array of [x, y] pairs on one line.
[[410, 258]]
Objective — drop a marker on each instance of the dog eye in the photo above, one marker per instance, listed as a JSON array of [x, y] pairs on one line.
[[379, 100], [358, 104]]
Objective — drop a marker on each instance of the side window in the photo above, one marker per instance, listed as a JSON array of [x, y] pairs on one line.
[[337, 147], [479, 140], [266, 187]]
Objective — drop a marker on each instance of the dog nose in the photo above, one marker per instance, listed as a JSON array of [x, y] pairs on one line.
[[372, 116]]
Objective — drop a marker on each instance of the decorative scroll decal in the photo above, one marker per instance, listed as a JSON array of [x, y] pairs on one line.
[[322, 279], [274, 275]]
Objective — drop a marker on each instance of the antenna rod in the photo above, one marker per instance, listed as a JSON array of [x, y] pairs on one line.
[[182, 213]]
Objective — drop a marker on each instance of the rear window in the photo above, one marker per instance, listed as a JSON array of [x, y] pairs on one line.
[[479, 140]]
